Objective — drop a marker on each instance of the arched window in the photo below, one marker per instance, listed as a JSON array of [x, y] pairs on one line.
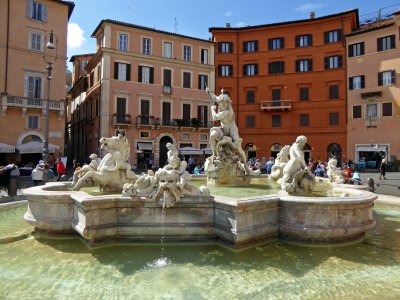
[[275, 148], [334, 150]]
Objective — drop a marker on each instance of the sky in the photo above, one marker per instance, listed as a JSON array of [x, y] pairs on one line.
[[194, 18]]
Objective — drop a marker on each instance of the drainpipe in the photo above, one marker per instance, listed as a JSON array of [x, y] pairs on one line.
[[237, 77], [7, 46]]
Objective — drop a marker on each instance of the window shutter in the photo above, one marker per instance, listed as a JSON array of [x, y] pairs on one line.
[[297, 65], [362, 48], [392, 42], [231, 47], [244, 46], [270, 44], [327, 62], [362, 81], [140, 74], [379, 44], [351, 83], [219, 47], [244, 70], [340, 34], [350, 51], [115, 70], [230, 70], [282, 43], [128, 72], [199, 82], [151, 75], [380, 78], [297, 39], [393, 77], [44, 13], [269, 68], [219, 70], [256, 45], [255, 69], [340, 61], [282, 64], [29, 9], [310, 65], [310, 40], [326, 37]]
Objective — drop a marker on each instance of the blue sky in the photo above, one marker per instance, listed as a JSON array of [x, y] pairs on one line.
[[193, 18]]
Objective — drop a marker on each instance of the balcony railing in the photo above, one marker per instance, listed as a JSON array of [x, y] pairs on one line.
[[25, 102], [276, 105], [152, 121], [121, 119], [371, 122]]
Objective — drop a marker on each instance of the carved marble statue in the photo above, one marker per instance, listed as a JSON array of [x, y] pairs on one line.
[[228, 163], [280, 162], [114, 170], [296, 174], [79, 173], [334, 173]]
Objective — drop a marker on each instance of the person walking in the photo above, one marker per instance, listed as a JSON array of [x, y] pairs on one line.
[[382, 168], [38, 175], [60, 169]]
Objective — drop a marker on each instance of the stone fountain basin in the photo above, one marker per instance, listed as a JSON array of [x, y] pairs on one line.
[[239, 223]]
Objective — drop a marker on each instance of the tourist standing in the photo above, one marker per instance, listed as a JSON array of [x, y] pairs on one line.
[[38, 175], [382, 168], [60, 169]]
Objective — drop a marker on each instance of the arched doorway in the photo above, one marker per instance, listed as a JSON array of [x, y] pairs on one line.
[[163, 149], [334, 150], [307, 152], [275, 148], [251, 151], [32, 156]]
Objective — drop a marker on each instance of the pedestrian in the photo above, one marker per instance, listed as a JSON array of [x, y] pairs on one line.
[[382, 168], [270, 163], [61, 170], [48, 173], [38, 175]]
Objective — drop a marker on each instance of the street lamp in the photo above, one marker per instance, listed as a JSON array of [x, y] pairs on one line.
[[50, 59]]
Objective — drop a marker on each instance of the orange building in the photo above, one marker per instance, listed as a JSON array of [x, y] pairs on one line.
[[25, 26], [288, 79], [149, 83]]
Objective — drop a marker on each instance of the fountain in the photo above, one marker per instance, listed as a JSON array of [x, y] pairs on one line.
[[130, 207]]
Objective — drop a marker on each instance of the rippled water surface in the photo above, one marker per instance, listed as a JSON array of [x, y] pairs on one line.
[[39, 268]]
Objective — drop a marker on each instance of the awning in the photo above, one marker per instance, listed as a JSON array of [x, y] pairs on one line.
[[206, 150], [190, 151], [371, 148], [36, 147], [4, 148], [144, 146]]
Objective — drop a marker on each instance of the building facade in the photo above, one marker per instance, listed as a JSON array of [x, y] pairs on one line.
[[25, 27], [149, 83], [288, 79], [373, 91]]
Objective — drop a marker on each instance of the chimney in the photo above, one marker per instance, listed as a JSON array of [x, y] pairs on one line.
[[228, 25], [312, 14]]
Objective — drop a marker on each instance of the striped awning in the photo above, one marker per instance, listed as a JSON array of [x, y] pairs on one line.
[[36, 147]]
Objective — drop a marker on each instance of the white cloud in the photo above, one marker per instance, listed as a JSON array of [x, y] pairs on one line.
[[308, 7], [75, 36], [228, 14], [241, 24]]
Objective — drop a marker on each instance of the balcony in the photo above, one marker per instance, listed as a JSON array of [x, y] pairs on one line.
[[154, 122], [372, 122], [276, 105], [25, 103], [121, 120]]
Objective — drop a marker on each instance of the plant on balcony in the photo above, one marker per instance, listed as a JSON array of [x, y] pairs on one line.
[[195, 123], [179, 123]]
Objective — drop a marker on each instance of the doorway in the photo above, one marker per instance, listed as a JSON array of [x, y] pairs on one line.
[[163, 150]]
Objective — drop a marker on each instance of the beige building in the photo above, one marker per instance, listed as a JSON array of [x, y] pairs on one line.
[[149, 83], [373, 65], [25, 27]]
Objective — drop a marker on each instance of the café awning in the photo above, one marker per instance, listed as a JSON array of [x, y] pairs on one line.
[[36, 147], [4, 148], [190, 151], [144, 146], [371, 148]]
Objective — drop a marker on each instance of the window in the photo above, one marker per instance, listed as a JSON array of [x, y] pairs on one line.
[[202, 115], [33, 122], [333, 119], [146, 47], [357, 112], [204, 56], [187, 80], [387, 109], [276, 67], [372, 110], [144, 112], [146, 74], [123, 42], [187, 53], [122, 71], [333, 62], [303, 40], [303, 65], [186, 108], [386, 78], [225, 47], [203, 137], [304, 120], [203, 82], [36, 41], [167, 81], [276, 97], [250, 46], [333, 92], [35, 87], [167, 50], [250, 70], [333, 36], [356, 49], [166, 114], [225, 70], [186, 136], [357, 82], [250, 97], [386, 43], [304, 94], [36, 11], [276, 121], [98, 73], [91, 79], [121, 110], [276, 43], [250, 121], [83, 64]]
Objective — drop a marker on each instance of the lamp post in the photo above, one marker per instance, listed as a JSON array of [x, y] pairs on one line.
[[50, 61]]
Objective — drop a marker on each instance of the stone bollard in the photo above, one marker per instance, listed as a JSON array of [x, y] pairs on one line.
[[371, 185]]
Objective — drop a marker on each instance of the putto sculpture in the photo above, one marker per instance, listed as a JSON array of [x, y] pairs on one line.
[[280, 162], [334, 173], [228, 163]]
